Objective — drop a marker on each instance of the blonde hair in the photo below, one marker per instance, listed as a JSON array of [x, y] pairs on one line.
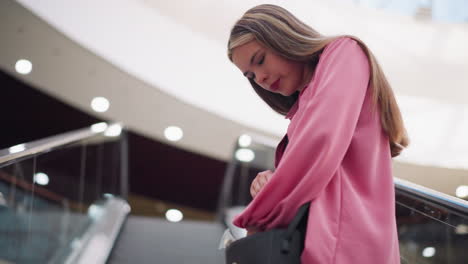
[[280, 31]]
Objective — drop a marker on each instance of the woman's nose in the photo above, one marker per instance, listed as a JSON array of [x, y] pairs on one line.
[[261, 78]]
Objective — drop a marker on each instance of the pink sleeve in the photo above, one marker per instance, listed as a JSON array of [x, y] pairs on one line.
[[321, 133]]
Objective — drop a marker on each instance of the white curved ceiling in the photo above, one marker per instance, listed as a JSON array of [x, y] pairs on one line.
[[178, 47]]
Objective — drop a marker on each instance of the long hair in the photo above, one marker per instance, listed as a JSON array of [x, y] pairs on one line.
[[277, 29]]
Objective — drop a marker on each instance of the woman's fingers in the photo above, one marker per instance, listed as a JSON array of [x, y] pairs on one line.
[[254, 188], [262, 180], [259, 182]]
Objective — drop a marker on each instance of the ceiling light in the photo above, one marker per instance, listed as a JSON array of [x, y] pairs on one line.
[[41, 178], [429, 252], [23, 66], [462, 191], [174, 215], [17, 148], [99, 127], [245, 155], [245, 141], [173, 133], [100, 104]]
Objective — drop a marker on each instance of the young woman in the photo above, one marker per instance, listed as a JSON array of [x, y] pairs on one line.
[[345, 128]]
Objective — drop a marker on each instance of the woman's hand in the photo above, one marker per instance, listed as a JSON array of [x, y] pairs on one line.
[[257, 185], [259, 182]]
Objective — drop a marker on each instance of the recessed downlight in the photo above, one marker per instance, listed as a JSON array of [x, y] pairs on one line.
[[174, 215], [100, 104], [173, 133], [23, 66], [245, 155], [462, 191], [429, 252], [245, 141], [41, 178]]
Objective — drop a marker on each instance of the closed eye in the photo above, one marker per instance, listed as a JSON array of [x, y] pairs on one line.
[[261, 60], [252, 75]]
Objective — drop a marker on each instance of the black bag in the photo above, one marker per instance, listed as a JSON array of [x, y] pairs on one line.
[[276, 246]]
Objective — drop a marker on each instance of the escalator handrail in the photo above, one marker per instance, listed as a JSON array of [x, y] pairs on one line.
[[96, 243], [431, 195], [46, 144]]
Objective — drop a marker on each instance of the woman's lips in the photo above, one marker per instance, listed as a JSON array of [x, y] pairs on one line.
[[274, 86]]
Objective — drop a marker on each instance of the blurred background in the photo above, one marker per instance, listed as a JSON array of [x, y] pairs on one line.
[[155, 77]]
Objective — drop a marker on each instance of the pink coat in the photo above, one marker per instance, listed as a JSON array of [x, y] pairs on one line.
[[338, 157]]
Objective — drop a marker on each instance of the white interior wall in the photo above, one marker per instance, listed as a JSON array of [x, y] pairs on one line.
[[178, 47]]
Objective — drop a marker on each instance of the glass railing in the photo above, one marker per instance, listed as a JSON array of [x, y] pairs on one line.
[[63, 198], [432, 226]]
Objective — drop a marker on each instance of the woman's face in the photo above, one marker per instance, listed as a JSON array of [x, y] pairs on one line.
[[269, 70]]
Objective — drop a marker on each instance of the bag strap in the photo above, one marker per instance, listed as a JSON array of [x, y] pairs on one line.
[[299, 221]]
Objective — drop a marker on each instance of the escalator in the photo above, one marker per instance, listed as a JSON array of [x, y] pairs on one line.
[[63, 199], [149, 240]]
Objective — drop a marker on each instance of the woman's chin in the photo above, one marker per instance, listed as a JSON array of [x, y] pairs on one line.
[[286, 93]]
